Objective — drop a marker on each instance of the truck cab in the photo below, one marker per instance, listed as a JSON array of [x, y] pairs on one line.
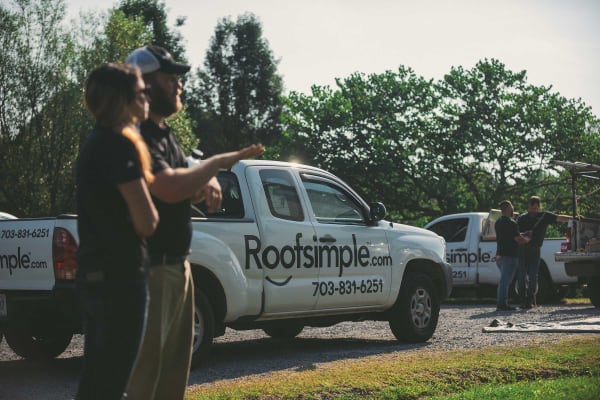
[[470, 246], [303, 249]]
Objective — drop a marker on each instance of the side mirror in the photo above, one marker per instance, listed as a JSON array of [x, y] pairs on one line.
[[377, 211]]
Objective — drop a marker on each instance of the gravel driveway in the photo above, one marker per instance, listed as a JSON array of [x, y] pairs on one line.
[[239, 354]]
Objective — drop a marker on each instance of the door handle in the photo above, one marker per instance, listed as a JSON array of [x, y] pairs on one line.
[[327, 239], [461, 249]]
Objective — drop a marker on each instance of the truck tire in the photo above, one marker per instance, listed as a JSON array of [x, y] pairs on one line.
[[548, 292], [415, 315], [37, 344], [283, 330], [593, 287], [204, 328]]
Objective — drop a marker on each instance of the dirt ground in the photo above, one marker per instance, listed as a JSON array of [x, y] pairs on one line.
[[240, 354]]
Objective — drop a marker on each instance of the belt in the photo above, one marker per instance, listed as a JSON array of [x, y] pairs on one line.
[[163, 258]]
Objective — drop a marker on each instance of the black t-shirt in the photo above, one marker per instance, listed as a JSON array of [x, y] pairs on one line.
[[173, 234], [537, 223], [107, 238], [506, 230]]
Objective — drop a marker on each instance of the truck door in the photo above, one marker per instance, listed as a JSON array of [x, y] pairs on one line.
[[487, 269], [352, 255], [285, 230], [461, 249]]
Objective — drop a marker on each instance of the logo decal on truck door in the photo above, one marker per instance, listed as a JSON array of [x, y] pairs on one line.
[[285, 282], [19, 261], [462, 257], [316, 256]]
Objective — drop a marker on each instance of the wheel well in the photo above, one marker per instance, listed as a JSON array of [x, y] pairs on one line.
[[544, 269], [206, 281], [428, 268]]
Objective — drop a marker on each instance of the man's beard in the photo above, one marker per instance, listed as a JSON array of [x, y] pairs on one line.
[[162, 104]]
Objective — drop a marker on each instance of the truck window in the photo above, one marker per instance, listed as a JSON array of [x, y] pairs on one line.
[[332, 205], [281, 193], [453, 230], [232, 205]]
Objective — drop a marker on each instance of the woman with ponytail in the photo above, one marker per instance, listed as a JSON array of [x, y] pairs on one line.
[[115, 215]]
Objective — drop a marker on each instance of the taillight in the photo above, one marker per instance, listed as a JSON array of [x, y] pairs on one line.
[[566, 246], [64, 254]]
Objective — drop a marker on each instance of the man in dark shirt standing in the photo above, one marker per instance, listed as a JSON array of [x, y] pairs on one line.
[[508, 239], [533, 223], [162, 366]]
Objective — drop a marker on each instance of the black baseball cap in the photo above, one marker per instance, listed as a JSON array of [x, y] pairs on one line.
[[154, 58]]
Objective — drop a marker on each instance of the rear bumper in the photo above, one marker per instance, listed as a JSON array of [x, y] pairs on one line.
[[59, 306], [580, 264]]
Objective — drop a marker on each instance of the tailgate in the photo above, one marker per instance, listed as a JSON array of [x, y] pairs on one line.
[[575, 256], [26, 254]]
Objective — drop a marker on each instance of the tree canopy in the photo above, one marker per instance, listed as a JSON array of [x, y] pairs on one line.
[[236, 98], [43, 67], [464, 143], [36, 100], [423, 147]]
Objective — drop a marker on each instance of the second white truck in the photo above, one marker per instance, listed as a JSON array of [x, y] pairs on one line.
[[293, 246], [471, 251]]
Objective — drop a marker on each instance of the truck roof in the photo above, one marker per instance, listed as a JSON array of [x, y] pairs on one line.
[[243, 164]]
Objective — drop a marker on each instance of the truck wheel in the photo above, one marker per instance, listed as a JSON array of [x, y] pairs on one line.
[[204, 328], [283, 330], [37, 344], [548, 292], [594, 291], [415, 315]]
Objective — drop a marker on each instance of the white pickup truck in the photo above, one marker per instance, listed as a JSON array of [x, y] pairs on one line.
[[293, 246], [471, 251]]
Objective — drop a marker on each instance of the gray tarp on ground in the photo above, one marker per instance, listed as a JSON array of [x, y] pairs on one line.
[[591, 325]]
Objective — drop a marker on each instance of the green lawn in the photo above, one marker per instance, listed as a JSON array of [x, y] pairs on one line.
[[569, 369]]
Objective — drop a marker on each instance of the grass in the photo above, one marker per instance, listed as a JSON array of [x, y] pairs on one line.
[[465, 298], [580, 388], [570, 368], [576, 300]]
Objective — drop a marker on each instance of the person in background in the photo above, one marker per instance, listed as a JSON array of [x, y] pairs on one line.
[[508, 239], [115, 215], [162, 368], [533, 224]]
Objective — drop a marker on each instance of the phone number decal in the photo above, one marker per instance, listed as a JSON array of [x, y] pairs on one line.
[[24, 233], [348, 287]]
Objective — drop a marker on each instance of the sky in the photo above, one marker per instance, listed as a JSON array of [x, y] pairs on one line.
[[316, 41]]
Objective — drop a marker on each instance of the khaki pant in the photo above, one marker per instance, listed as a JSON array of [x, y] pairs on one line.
[[162, 366]]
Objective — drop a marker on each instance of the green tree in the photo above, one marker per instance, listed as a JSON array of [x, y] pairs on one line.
[[493, 125], [36, 90], [368, 132], [154, 16], [236, 98], [42, 118], [461, 144]]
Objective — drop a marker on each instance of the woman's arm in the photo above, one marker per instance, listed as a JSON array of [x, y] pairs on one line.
[[140, 205]]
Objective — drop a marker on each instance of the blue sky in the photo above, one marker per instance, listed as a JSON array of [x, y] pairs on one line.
[[316, 41]]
